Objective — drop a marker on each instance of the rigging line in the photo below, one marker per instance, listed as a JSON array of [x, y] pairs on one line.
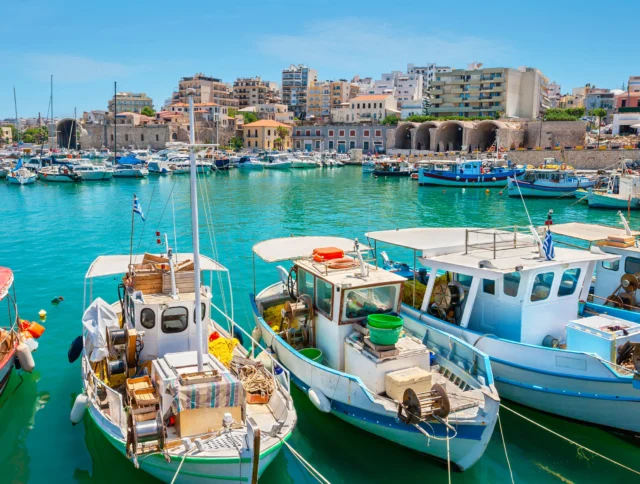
[[571, 441], [144, 225], [504, 445], [316, 473], [163, 211]]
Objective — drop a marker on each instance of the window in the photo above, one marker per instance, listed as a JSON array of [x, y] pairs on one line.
[[511, 283], [330, 145], [147, 318], [141, 137], [378, 133], [369, 105], [331, 132], [324, 297], [341, 133], [305, 283], [268, 132], [365, 133], [358, 106], [111, 137], [203, 312], [126, 137], [488, 286], [157, 138], [174, 320], [352, 132], [569, 282], [542, 286], [307, 133], [317, 132], [631, 265], [298, 132], [352, 145], [611, 265], [359, 303], [365, 146]]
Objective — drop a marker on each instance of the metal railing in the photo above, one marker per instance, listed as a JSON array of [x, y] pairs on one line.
[[499, 239]]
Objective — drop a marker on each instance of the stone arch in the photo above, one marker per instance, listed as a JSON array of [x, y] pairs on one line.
[[449, 136], [174, 136], [403, 136], [423, 135], [66, 130], [486, 134]]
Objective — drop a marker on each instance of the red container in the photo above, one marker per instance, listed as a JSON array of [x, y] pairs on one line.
[[327, 253]]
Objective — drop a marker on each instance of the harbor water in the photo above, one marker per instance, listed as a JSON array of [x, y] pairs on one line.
[[52, 232]]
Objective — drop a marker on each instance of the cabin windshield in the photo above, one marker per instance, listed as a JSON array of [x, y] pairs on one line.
[[361, 302]]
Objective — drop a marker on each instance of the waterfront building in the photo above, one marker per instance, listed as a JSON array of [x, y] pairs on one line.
[[342, 138], [555, 94], [6, 135], [600, 98], [207, 111], [296, 81], [204, 89], [364, 84], [629, 99], [131, 102], [371, 108], [250, 91], [428, 72], [623, 121], [324, 96], [517, 93], [262, 135], [404, 87]]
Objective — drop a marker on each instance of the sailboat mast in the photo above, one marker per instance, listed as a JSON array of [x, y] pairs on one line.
[[194, 233], [15, 105], [53, 122], [115, 112]]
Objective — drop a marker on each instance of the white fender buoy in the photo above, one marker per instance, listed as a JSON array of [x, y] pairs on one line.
[[256, 334], [318, 399], [79, 408], [265, 358], [25, 358]]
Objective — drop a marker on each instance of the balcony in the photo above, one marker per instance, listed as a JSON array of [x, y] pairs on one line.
[[436, 101]]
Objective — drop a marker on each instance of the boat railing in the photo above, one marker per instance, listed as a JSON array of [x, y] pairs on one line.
[[255, 345], [113, 399], [498, 239]]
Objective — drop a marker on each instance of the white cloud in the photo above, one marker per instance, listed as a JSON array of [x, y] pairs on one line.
[[353, 45], [72, 69]]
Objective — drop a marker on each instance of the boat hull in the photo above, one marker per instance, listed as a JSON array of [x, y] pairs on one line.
[[131, 174], [599, 200], [391, 173], [477, 181], [59, 178], [96, 175], [6, 367], [277, 166], [533, 190], [22, 180]]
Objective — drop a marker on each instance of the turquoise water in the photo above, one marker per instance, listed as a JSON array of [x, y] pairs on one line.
[[52, 232]]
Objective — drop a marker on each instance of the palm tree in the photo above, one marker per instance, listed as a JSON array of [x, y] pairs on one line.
[[277, 143], [283, 133]]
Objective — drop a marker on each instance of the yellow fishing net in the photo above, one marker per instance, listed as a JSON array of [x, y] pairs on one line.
[[222, 349]]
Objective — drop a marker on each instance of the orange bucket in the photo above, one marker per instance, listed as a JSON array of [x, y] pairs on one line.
[[36, 330]]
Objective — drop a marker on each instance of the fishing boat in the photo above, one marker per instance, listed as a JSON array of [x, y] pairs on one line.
[[429, 393], [92, 172], [543, 183], [502, 292], [622, 193], [58, 174], [250, 163], [17, 337], [276, 162], [466, 173], [392, 167], [368, 166], [21, 176], [177, 411]]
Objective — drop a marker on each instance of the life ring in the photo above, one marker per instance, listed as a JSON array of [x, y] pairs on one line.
[[343, 263], [563, 166]]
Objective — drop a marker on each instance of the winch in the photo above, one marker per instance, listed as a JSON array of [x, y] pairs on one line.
[[625, 294], [420, 407]]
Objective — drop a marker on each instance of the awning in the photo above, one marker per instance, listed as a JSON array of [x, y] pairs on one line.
[[111, 265], [289, 248], [6, 279], [590, 232]]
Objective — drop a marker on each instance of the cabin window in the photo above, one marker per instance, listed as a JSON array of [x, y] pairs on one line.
[[569, 282], [324, 297], [203, 312], [542, 286], [174, 320], [360, 303], [305, 283], [632, 265], [511, 283], [147, 318], [611, 265], [488, 286], [464, 279]]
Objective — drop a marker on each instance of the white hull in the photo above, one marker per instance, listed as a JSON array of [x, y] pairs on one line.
[[22, 180], [56, 178], [250, 166], [278, 165], [130, 173], [302, 164], [96, 175]]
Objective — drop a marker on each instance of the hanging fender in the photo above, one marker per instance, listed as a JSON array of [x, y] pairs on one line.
[[319, 401]]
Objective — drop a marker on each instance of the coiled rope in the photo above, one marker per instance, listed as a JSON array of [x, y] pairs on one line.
[[571, 441], [256, 381]]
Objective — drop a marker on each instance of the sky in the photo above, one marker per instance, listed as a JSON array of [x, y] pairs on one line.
[[147, 46]]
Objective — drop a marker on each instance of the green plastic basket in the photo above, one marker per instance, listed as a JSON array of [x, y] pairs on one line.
[[384, 321], [312, 353], [380, 336]]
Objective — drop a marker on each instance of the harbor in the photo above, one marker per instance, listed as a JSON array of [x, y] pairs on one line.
[[95, 219]]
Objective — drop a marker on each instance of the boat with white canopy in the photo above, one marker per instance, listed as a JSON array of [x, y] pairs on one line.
[[331, 320], [496, 290]]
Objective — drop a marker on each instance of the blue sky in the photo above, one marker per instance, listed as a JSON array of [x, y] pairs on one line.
[[148, 45]]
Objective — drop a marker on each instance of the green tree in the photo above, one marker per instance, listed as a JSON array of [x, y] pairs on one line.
[[249, 117], [390, 120], [283, 134], [231, 112], [277, 143], [148, 111], [599, 113], [236, 143], [559, 114], [34, 135], [426, 102]]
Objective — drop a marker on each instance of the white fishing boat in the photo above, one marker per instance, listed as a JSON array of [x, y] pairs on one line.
[[496, 290], [622, 193], [276, 162], [544, 183], [179, 412], [250, 163], [21, 176], [58, 174], [433, 394], [5, 168]]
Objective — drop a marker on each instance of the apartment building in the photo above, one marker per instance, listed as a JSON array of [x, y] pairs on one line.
[[130, 102], [403, 86], [328, 95], [6, 135], [263, 135], [274, 112], [554, 91], [296, 81], [204, 89], [600, 98], [371, 108], [428, 72], [251, 91], [519, 93], [208, 111]]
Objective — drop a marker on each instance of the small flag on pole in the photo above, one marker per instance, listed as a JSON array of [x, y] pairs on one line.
[[137, 208], [547, 246]]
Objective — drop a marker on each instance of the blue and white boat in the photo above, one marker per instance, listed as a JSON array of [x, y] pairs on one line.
[[312, 319], [130, 167], [495, 290], [159, 167], [466, 173], [622, 193], [250, 163], [544, 183]]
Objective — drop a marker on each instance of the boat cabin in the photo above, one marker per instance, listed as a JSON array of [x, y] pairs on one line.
[[496, 281]]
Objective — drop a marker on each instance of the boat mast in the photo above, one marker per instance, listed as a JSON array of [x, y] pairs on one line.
[[115, 112], [194, 232], [15, 105], [53, 122]]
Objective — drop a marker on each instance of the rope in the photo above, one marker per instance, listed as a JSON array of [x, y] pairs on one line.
[[314, 472], [504, 445], [448, 457], [256, 381], [179, 467], [580, 446]]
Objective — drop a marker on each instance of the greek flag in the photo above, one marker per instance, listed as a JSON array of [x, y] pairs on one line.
[[137, 208], [547, 246]]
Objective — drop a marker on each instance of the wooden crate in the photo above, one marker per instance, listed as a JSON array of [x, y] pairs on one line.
[[146, 397], [148, 283], [141, 383], [199, 421], [184, 282], [200, 377]]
